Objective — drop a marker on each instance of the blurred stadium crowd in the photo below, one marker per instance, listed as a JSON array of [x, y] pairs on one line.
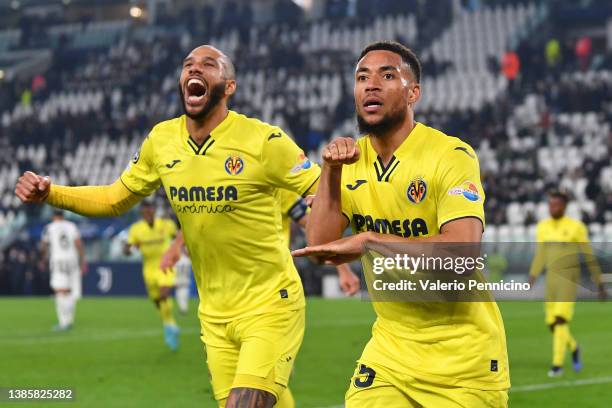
[[525, 83]]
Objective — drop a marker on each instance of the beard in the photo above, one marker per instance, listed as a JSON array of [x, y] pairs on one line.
[[388, 122], [215, 95]]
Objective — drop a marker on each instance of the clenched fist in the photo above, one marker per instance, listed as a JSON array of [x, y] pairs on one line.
[[342, 150], [32, 188]]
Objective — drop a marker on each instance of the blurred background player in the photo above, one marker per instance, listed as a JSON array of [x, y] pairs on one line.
[[152, 236], [561, 241], [61, 240], [182, 280]]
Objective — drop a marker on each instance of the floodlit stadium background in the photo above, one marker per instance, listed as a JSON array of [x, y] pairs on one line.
[[526, 83]]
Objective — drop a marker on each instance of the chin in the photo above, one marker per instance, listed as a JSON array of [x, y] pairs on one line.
[[194, 112]]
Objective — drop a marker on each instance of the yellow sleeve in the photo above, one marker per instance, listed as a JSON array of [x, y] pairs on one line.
[[141, 176], [132, 235], [537, 264], [286, 166], [458, 187], [93, 201], [287, 199], [293, 205], [587, 252]]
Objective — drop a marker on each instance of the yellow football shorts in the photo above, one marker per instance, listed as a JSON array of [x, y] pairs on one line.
[[561, 309], [253, 352], [156, 279], [374, 386]]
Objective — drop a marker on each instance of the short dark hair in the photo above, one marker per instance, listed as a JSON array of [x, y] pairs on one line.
[[559, 193], [408, 56]]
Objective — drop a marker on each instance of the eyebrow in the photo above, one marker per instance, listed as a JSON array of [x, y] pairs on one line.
[[207, 58], [381, 69]]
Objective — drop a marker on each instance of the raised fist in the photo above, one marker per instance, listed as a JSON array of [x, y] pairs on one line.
[[32, 188], [340, 151]]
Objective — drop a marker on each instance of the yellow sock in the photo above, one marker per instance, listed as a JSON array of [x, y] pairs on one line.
[[571, 342], [165, 309], [285, 400], [560, 341]]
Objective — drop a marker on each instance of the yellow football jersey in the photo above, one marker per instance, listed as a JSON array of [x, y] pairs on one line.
[[564, 229], [431, 179], [561, 242], [293, 207], [152, 241], [225, 194]]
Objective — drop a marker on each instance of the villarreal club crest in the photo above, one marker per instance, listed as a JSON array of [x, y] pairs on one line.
[[234, 165], [417, 190]]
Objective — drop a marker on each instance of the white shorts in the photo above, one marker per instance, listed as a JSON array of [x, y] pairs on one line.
[[66, 276]]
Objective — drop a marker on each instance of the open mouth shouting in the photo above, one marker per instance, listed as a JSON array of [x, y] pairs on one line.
[[195, 92], [372, 104]]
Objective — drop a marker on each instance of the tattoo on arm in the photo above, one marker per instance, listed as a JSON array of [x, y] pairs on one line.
[[250, 398]]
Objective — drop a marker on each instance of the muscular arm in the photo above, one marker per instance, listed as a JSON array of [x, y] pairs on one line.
[[464, 230], [173, 253], [93, 201], [329, 223]]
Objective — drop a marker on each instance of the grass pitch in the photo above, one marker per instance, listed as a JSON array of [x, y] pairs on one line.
[[115, 356]]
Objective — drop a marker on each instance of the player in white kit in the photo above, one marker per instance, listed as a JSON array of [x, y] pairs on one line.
[[182, 281], [61, 240]]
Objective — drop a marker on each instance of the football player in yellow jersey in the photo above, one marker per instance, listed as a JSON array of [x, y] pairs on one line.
[[561, 242], [405, 181], [152, 236], [222, 173]]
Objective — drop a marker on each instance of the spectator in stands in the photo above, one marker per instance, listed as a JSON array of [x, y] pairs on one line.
[[553, 54], [583, 52], [511, 66]]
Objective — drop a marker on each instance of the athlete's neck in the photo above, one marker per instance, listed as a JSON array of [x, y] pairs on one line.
[[199, 129], [386, 144]]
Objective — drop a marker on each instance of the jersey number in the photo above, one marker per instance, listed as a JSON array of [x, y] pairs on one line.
[[371, 374], [64, 242]]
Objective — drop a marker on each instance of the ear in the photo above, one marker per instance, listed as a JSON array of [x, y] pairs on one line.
[[414, 93], [230, 87]]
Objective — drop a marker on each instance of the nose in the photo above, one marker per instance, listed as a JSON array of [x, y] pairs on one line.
[[373, 84], [195, 68]]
